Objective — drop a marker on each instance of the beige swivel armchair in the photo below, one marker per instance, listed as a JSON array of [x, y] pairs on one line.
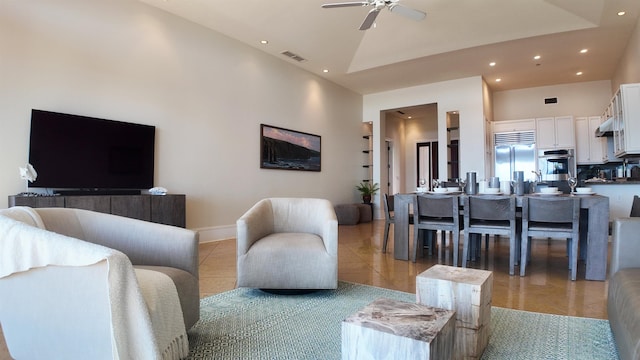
[[287, 244], [87, 285]]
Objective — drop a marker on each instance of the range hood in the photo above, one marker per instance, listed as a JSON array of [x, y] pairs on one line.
[[606, 128]]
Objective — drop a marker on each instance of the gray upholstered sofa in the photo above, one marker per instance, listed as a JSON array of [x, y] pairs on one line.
[[623, 304], [84, 284]]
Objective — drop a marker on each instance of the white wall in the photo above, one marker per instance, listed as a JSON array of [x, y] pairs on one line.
[[463, 95], [579, 99], [394, 132], [417, 131], [206, 94], [628, 70]]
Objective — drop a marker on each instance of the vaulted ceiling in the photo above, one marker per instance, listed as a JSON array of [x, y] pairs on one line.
[[457, 39]]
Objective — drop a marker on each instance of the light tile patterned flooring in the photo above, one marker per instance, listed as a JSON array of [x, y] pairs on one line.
[[546, 288]]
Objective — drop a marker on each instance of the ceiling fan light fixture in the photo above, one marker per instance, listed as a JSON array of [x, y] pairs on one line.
[[391, 5]]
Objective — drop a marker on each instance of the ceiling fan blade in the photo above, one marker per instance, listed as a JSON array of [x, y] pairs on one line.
[[370, 19], [407, 12], [346, 4]]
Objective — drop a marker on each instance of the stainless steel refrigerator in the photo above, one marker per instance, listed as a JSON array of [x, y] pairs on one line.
[[515, 151]]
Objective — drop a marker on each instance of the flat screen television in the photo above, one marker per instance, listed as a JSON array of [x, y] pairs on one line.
[[80, 153]]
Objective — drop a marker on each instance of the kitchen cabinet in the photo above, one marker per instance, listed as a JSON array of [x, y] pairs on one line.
[[513, 125], [555, 132], [589, 148], [625, 109]]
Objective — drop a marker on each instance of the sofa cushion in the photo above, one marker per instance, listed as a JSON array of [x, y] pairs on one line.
[[304, 255], [623, 308], [188, 291], [24, 214]]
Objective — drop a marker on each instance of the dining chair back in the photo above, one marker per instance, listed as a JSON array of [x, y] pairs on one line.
[[551, 217], [388, 219], [437, 212], [635, 207], [491, 215]]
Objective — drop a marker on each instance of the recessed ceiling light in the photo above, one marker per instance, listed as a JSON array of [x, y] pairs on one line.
[[493, 63], [621, 13], [264, 42], [409, 117], [584, 51], [579, 73], [325, 70], [498, 80], [537, 57]]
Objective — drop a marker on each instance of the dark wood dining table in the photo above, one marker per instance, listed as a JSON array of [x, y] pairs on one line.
[[597, 207]]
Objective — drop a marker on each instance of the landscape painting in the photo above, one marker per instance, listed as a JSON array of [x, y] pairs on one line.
[[288, 149]]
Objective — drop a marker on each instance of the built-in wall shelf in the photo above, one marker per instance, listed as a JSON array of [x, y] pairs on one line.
[[368, 158]]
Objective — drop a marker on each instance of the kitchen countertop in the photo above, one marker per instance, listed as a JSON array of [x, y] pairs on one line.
[[623, 181]]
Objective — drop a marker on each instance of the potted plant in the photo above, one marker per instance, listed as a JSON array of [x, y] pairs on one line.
[[367, 190]]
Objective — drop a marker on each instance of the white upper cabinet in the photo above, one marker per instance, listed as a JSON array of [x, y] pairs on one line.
[[513, 125], [625, 109], [589, 148], [555, 132]]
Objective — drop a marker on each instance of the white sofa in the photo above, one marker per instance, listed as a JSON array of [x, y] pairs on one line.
[[77, 284], [288, 244]]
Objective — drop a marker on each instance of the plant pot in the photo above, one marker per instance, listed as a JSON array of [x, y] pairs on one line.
[[366, 199]]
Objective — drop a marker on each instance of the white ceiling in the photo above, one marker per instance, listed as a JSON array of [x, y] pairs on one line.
[[457, 39]]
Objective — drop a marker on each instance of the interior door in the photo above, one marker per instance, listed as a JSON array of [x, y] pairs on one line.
[[424, 164]]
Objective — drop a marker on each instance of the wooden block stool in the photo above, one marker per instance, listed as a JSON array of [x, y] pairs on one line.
[[391, 329], [468, 292]]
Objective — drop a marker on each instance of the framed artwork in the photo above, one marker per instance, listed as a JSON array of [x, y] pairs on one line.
[[288, 149]]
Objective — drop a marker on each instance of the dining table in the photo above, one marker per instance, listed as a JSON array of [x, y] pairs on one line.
[[595, 206]]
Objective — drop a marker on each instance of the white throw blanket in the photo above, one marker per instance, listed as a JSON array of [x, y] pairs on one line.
[[134, 334]]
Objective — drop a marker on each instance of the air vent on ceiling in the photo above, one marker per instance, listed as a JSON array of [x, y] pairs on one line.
[[400, 112], [295, 57]]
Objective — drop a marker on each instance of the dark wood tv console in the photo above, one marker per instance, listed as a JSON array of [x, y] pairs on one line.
[[167, 209]]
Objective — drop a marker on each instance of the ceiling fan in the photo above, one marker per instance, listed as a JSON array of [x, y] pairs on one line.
[[378, 5]]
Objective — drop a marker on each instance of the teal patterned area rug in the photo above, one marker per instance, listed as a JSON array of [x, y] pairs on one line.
[[252, 324]]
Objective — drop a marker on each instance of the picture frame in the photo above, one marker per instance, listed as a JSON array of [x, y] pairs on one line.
[[286, 149]]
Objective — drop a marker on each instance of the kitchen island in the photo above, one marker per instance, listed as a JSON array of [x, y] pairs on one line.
[[620, 194]]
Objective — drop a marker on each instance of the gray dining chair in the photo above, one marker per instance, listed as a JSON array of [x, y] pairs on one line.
[[551, 217], [635, 207], [491, 215], [433, 213]]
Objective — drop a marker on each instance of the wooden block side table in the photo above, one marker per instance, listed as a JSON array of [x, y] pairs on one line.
[[391, 329], [468, 293]]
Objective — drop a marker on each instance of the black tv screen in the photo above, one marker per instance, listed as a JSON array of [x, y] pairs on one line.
[[86, 153]]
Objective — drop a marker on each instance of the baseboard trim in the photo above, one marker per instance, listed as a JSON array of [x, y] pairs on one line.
[[216, 233]]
